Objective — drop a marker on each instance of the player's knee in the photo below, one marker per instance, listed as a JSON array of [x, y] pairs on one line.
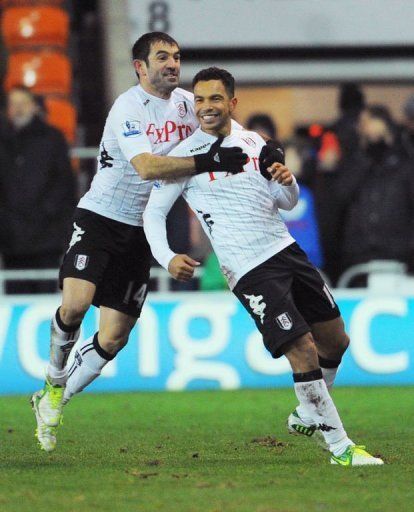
[[113, 346], [332, 339], [73, 312], [344, 341], [113, 342], [341, 341]]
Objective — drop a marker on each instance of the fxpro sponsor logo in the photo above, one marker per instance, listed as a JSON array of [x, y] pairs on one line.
[[170, 131]]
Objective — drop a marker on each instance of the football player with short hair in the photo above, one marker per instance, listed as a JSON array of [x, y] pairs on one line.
[[265, 268], [107, 261]]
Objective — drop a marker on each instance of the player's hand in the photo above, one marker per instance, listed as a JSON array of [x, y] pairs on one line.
[[271, 153], [219, 159], [280, 173], [181, 267]]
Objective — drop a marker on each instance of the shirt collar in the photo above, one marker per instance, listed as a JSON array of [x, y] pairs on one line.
[[152, 97], [208, 137]]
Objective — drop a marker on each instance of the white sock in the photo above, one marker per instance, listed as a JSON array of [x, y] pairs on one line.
[[329, 375], [89, 360], [303, 415], [61, 343], [318, 405]]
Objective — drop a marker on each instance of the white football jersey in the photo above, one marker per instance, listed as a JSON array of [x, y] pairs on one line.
[[238, 212], [137, 123]]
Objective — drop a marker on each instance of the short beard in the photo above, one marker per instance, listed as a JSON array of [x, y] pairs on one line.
[[164, 88]]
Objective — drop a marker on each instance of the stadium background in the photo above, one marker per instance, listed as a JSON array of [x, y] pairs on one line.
[[289, 66], [221, 446]]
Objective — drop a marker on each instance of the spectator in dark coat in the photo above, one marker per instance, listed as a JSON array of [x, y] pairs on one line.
[[351, 102], [324, 166], [38, 190], [3, 166], [377, 192], [407, 132]]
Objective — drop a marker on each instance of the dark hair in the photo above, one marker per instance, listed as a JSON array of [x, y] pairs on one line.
[[351, 97], [264, 121], [142, 46], [214, 73]]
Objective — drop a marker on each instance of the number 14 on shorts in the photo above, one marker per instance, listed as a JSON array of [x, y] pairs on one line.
[[138, 296]]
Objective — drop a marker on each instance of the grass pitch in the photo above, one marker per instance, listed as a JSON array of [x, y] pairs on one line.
[[205, 452]]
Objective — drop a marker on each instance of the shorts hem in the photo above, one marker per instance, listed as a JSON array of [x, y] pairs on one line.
[[116, 307], [324, 317], [86, 278], [276, 351]]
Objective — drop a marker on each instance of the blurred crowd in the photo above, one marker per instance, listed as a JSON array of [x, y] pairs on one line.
[[37, 191], [356, 177], [360, 171]]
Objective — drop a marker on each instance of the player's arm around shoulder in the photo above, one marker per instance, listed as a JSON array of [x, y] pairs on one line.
[[182, 161], [177, 164], [153, 167], [128, 119]]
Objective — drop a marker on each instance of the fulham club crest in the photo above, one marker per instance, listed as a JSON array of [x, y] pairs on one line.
[[284, 321], [81, 261], [181, 108]]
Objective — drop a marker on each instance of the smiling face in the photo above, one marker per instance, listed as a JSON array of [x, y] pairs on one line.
[[160, 75], [213, 107]]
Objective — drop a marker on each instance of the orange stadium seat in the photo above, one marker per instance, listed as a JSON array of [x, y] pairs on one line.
[[44, 72], [31, 3], [42, 25], [62, 114]]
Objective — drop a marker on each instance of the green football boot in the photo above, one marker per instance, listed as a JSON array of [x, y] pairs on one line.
[[297, 427], [47, 406], [356, 456]]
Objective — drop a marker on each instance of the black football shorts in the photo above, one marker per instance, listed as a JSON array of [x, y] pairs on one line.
[[285, 295], [114, 256]]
